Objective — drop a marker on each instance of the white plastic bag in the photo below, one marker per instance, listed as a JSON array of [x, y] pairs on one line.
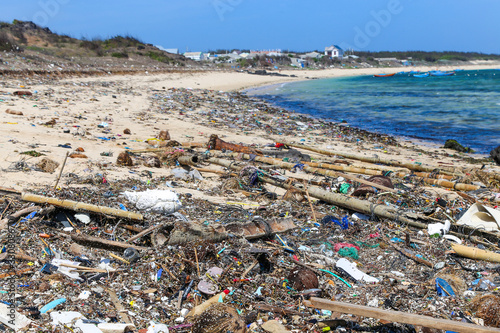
[[158, 201]]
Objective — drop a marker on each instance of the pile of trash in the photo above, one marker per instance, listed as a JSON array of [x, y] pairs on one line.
[[220, 236], [142, 255]]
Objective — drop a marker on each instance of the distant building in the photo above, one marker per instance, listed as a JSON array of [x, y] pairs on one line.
[[174, 51], [313, 55], [387, 59], [334, 51], [198, 56], [270, 53]]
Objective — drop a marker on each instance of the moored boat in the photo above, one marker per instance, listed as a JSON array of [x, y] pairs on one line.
[[441, 73], [421, 75], [384, 75]]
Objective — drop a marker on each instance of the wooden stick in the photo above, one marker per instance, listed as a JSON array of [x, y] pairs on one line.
[[310, 203], [220, 172], [19, 272], [7, 207], [367, 171], [62, 168], [23, 256], [408, 254], [249, 269], [145, 232], [119, 258], [179, 300], [100, 243], [400, 317], [18, 214], [83, 268], [197, 264]]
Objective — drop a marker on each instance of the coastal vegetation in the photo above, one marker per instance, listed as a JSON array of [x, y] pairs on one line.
[[38, 42]]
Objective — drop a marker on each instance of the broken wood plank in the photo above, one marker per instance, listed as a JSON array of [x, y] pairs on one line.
[[396, 316], [119, 308]]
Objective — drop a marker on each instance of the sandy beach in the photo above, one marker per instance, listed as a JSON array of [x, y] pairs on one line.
[[223, 216], [92, 113]]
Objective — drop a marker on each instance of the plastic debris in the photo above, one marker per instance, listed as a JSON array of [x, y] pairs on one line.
[[158, 201]]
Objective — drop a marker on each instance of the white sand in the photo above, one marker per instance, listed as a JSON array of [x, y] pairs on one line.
[[81, 104]]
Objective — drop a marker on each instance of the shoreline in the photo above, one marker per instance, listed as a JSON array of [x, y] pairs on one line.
[[77, 112], [305, 75], [427, 143]]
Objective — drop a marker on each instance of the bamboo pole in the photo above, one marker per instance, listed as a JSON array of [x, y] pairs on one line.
[[190, 160], [363, 206], [372, 172], [76, 206], [410, 166], [400, 317], [475, 253], [286, 165], [336, 198]]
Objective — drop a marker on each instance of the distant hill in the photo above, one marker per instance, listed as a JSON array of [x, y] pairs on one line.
[[27, 46]]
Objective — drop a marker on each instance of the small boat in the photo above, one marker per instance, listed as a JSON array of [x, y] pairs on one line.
[[384, 75], [440, 73], [421, 75]]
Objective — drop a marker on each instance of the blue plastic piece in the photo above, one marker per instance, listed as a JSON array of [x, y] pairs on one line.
[[443, 288], [52, 305]]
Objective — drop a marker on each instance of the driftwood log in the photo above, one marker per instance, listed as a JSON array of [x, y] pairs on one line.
[[218, 144], [374, 160], [399, 317]]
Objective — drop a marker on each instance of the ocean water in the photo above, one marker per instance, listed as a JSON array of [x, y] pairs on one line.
[[465, 106]]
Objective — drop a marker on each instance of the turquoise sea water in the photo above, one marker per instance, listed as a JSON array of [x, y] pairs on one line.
[[465, 106]]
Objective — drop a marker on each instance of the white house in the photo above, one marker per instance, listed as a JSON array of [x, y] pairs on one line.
[[334, 51], [195, 55]]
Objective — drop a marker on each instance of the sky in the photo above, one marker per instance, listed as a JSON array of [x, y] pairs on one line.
[[202, 25]]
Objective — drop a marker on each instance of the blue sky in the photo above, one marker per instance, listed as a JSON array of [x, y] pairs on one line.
[[201, 25]]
